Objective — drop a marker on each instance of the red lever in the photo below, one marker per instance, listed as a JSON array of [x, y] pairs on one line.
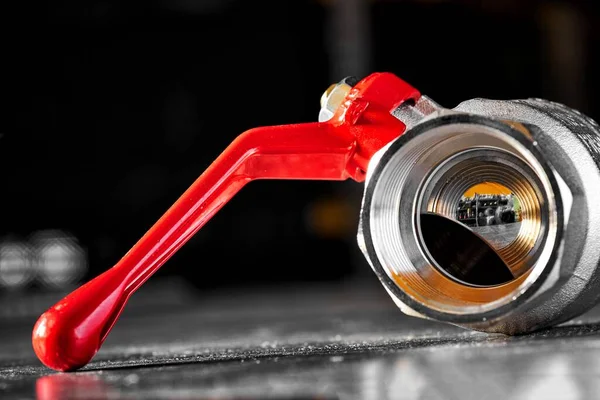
[[69, 334]]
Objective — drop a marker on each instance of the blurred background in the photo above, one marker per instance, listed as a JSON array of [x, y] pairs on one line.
[[112, 109]]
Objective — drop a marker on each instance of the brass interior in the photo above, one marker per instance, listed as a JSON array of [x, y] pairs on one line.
[[457, 182]]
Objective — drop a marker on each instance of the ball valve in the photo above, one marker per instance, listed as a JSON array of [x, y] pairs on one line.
[[482, 216]]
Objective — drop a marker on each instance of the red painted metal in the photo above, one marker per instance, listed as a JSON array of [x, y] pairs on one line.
[[69, 334]]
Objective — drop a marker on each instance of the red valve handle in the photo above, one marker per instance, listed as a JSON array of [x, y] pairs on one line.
[[69, 334]]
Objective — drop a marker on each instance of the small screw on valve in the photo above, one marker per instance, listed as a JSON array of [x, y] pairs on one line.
[[334, 96]]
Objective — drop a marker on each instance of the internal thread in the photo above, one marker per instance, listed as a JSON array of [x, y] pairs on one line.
[[470, 172]]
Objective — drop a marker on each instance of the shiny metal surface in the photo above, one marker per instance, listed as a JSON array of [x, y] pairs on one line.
[[327, 342], [541, 151], [412, 114]]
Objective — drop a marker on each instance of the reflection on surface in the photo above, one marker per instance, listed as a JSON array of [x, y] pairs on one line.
[[557, 382], [494, 214], [316, 344], [517, 372], [71, 386]]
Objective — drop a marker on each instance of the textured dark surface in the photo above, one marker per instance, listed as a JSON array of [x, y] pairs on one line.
[[339, 342]]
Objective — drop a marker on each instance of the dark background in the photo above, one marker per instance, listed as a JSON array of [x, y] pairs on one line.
[[112, 109]]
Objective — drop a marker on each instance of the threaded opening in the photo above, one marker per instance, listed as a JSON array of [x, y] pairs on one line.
[[429, 175]]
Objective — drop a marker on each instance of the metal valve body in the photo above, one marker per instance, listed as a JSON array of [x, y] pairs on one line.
[[546, 154]]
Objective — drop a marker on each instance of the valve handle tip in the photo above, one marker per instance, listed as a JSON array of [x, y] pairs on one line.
[[70, 333], [57, 346]]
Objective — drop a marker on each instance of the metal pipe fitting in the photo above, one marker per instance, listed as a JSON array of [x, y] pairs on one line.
[[485, 216]]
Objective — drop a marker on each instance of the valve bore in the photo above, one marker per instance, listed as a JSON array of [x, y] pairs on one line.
[[462, 215], [495, 198]]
